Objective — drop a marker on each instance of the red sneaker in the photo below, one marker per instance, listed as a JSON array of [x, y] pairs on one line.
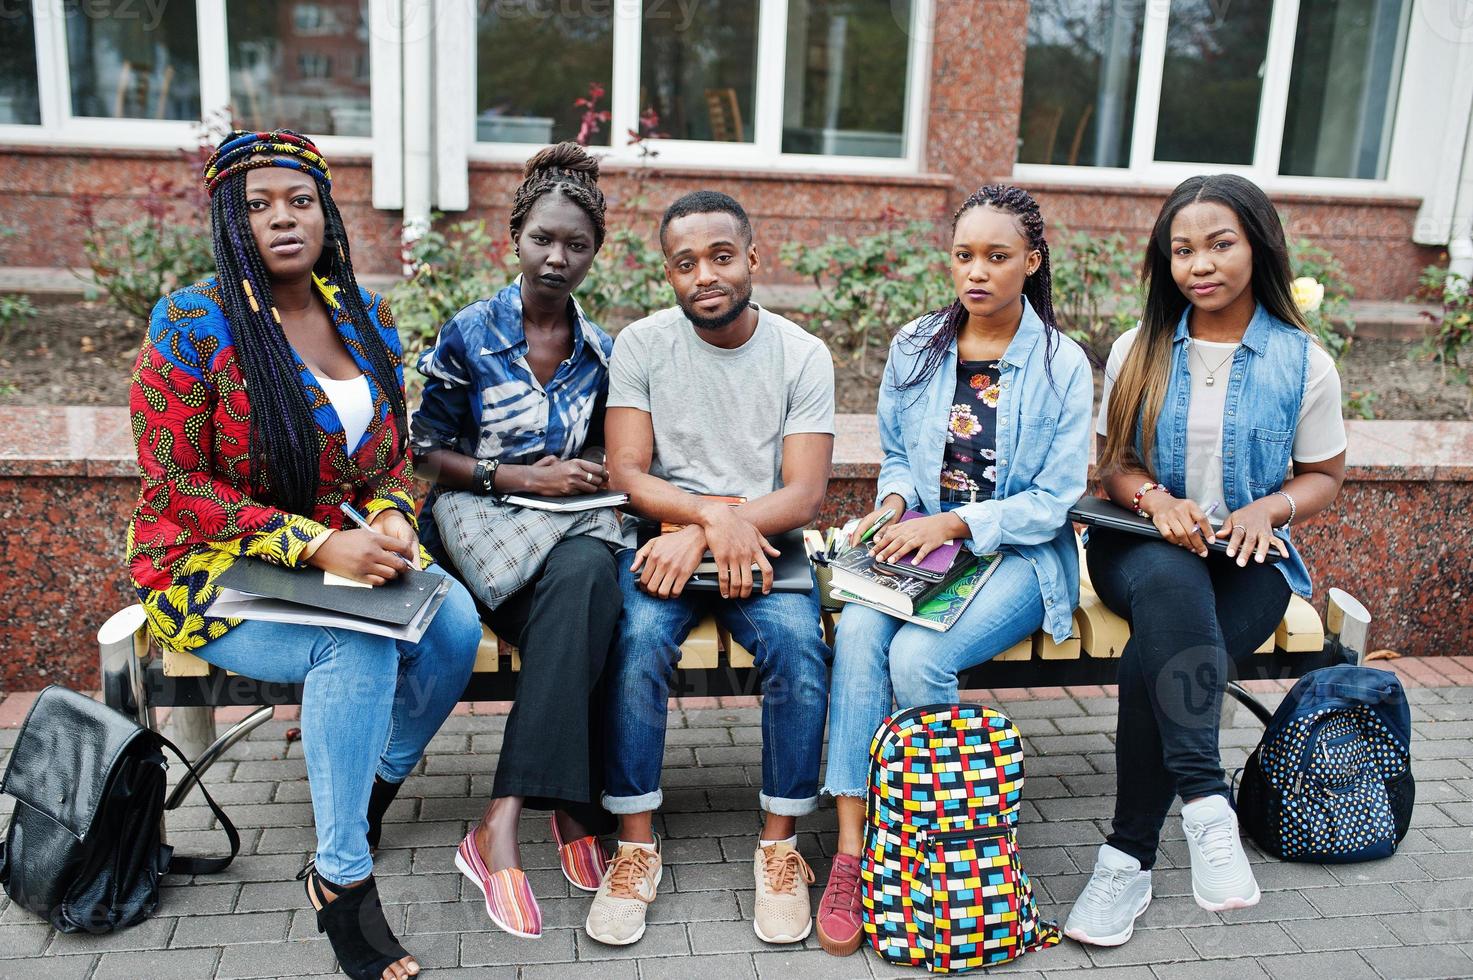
[[840, 913]]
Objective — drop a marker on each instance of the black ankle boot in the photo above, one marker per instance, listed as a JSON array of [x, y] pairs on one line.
[[378, 804]]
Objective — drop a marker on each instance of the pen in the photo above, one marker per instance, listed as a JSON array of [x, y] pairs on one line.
[[879, 523], [357, 518]]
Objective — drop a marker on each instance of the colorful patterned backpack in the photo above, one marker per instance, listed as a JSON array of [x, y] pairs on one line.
[[941, 880], [1332, 779]]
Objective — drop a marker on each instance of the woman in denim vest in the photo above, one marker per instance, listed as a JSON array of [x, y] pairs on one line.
[[1206, 404], [984, 419]]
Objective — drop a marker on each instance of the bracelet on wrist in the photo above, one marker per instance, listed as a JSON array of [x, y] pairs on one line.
[[1146, 488], [1293, 508], [483, 477]]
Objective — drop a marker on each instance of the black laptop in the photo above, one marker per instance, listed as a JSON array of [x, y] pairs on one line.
[[1098, 512]]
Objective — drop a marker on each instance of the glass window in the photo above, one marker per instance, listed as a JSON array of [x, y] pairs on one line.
[[300, 66], [534, 61], [132, 60], [698, 69], [1342, 89], [19, 101], [1212, 81], [844, 59], [1079, 78]]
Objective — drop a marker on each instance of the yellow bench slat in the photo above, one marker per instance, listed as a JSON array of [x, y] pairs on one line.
[[1101, 632], [702, 649], [1044, 647], [184, 665]]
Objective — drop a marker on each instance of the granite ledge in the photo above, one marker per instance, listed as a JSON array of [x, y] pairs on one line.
[[86, 441]]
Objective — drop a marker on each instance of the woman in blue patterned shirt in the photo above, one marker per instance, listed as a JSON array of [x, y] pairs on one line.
[[513, 403]]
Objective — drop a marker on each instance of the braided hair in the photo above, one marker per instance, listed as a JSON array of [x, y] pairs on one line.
[[565, 167], [939, 328], [284, 452]]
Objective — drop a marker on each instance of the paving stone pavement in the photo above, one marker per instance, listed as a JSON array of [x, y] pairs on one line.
[[1410, 916]]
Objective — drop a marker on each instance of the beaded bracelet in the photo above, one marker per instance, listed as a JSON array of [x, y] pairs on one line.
[[1145, 489]]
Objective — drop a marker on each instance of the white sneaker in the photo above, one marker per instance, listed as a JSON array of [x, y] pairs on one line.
[[617, 914], [1117, 893], [1222, 878], [781, 913]]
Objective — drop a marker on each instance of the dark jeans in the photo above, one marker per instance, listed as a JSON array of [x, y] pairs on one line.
[[1188, 616], [562, 622]]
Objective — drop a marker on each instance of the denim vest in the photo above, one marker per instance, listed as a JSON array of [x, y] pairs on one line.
[[1264, 393], [1043, 419]]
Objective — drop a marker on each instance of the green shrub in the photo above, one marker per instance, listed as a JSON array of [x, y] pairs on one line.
[[870, 286], [1451, 343], [1096, 290]]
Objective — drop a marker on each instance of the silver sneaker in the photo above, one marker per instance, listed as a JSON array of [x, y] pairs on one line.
[[1222, 878], [1117, 893]]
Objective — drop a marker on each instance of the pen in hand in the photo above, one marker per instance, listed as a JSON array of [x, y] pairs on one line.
[[357, 518], [874, 528]]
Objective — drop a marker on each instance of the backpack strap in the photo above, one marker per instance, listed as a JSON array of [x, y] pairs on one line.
[[179, 864]]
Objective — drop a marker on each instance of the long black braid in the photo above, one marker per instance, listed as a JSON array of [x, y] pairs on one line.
[[939, 328], [285, 452]]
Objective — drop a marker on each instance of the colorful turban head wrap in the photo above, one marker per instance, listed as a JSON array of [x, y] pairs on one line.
[[242, 151]]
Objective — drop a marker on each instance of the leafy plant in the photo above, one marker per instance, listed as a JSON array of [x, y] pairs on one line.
[[1331, 320], [15, 309], [1451, 343], [452, 269], [871, 285], [137, 260], [1096, 295]]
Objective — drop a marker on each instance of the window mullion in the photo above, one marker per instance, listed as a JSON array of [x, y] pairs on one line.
[[455, 109], [922, 19], [624, 107], [214, 56], [772, 48], [1278, 64], [1148, 86], [53, 77]]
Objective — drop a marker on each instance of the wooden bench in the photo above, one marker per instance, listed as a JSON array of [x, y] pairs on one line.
[[137, 677]]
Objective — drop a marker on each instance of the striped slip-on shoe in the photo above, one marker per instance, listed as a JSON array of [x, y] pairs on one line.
[[583, 860], [509, 899]]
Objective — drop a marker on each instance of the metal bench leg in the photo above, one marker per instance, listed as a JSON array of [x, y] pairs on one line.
[[215, 750], [122, 643], [194, 730], [1347, 626]]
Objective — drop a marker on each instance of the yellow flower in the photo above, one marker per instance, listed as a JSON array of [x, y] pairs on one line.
[[1308, 293]]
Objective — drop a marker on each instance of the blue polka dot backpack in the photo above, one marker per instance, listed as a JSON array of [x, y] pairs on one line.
[[1332, 779], [940, 878]]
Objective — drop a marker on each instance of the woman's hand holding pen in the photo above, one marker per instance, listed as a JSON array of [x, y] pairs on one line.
[[1180, 521], [554, 477], [1250, 531], [893, 504], [364, 555], [393, 523]]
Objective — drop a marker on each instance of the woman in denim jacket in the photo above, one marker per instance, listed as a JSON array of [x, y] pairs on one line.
[[1205, 406], [984, 415]]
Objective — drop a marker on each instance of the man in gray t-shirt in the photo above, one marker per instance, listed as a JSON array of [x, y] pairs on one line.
[[716, 397]]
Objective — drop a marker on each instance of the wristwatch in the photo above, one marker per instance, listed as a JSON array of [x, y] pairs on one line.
[[483, 477]]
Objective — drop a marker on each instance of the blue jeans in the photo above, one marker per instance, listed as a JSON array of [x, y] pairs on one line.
[[783, 632], [370, 705], [879, 658]]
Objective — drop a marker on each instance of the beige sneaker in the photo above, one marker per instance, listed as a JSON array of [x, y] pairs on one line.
[[616, 916], [782, 911]]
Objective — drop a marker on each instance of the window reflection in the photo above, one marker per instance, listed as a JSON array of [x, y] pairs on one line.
[[698, 69], [301, 66], [533, 62], [19, 100], [1212, 81], [128, 60]]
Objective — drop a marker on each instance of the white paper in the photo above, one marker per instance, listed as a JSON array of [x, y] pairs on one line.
[[328, 578]]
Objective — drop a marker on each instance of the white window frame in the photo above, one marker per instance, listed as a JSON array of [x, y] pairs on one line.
[[60, 128], [1145, 170], [765, 151]]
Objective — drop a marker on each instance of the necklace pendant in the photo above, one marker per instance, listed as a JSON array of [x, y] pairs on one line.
[[1211, 381]]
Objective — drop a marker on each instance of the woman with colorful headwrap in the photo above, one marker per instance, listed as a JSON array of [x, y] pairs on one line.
[[265, 397]]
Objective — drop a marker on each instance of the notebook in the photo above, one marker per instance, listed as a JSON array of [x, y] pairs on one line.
[[791, 570], [943, 609], [858, 574], [568, 505], [937, 566], [402, 607], [1098, 512]]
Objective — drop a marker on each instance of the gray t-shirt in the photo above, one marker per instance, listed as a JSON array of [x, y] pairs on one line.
[[720, 415]]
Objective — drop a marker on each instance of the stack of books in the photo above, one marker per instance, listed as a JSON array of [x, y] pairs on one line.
[[932, 593]]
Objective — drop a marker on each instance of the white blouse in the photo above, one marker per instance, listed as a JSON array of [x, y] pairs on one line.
[[353, 402]]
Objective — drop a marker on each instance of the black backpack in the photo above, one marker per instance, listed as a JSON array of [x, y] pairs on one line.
[[1332, 779], [84, 848]]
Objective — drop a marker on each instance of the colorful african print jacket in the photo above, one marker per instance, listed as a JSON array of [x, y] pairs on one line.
[[197, 509]]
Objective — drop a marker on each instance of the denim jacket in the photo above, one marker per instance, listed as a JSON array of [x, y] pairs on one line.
[[1264, 393], [1043, 433]]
